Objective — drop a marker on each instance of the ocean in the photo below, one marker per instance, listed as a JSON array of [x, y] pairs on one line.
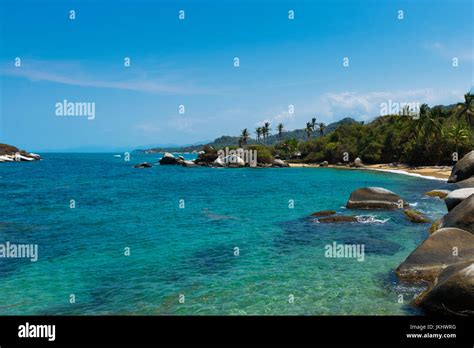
[[170, 240]]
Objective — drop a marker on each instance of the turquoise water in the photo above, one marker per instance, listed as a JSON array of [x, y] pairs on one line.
[[190, 251]]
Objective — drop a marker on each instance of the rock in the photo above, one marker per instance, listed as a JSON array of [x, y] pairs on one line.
[[436, 253], [415, 216], [143, 165], [438, 193], [457, 196], [279, 163], [358, 163], [463, 169], [466, 183], [229, 161], [188, 164], [324, 213], [374, 198], [452, 293], [338, 218], [324, 164], [168, 158], [461, 216]]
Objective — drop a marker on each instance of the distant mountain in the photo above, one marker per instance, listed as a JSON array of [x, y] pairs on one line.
[[227, 140]]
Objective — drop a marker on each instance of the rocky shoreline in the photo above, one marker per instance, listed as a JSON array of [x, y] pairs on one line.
[[9, 153], [445, 260]]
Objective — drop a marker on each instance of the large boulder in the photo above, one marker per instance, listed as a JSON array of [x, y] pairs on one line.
[[188, 164], [168, 158], [324, 164], [457, 196], [374, 198], [452, 293], [463, 169], [358, 163], [461, 216], [443, 248], [229, 161], [466, 183], [279, 163]]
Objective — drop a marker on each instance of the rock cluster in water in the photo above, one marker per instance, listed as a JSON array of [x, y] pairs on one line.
[[446, 258], [10, 153]]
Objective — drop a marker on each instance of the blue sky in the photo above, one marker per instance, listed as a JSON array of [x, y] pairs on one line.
[[190, 62]]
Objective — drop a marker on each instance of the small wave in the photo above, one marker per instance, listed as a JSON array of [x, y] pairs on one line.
[[368, 219]]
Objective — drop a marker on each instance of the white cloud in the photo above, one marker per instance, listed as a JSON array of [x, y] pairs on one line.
[[74, 74]]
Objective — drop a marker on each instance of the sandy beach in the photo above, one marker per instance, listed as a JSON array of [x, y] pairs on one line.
[[430, 172]]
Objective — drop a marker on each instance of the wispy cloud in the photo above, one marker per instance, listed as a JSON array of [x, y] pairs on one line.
[[75, 74], [448, 52]]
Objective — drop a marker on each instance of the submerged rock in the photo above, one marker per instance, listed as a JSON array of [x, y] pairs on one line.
[[461, 216], [143, 165], [338, 218], [436, 253], [324, 213], [463, 169], [438, 193], [374, 198], [457, 196], [452, 293], [415, 216]]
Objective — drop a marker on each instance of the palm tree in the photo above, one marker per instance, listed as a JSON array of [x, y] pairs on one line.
[[258, 131], [267, 129], [466, 108], [322, 127], [459, 134], [280, 130], [245, 136], [309, 129], [428, 125], [313, 123]]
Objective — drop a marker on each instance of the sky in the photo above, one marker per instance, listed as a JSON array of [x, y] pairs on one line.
[[191, 62]]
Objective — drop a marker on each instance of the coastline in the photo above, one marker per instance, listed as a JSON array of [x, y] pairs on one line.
[[427, 172]]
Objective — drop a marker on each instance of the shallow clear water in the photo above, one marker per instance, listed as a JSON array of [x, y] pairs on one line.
[[190, 251]]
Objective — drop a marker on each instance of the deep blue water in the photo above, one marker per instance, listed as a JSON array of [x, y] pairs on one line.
[[190, 251]]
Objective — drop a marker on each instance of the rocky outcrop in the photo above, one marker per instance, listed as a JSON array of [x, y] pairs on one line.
[[452, 293], [463, 169], [374, 198], [461, 216], [444, 247], [438, 193], [168, 158], [457, 196], [143, 165], [415, 216], [9, 153], [324, 164]]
